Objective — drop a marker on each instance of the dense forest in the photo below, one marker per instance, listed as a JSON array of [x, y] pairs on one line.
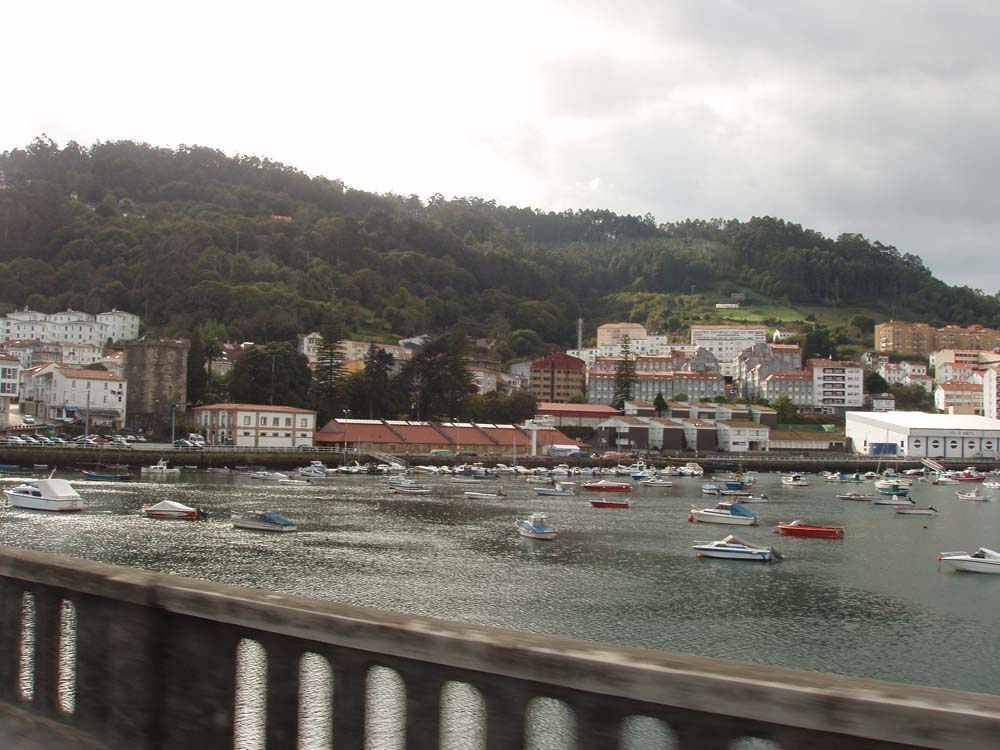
[[243, 247]]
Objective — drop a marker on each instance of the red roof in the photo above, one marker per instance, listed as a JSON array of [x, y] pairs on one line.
[[464, 434], [356, 432], [576, 410], [256, 407]]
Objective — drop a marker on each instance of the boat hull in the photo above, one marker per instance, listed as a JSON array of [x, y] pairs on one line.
[[709, 517], [609, 504], [609, 487], [973, 566], [172, 515], [753, 555], [818, 532], [37, 503], [242, 523]]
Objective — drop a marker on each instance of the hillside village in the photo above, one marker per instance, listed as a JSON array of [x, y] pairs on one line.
[[731, 388]]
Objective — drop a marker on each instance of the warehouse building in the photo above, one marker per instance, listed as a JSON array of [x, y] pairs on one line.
[[914, 434]]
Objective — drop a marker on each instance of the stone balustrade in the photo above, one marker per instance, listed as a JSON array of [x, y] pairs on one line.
[[94, 655]]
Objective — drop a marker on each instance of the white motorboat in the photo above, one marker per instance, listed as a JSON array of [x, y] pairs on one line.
[[893, 484], [854, 496], [171, 510], [983, 560], [316, 470], [263, 521], [734, 548], [653, 482], [729, 512], [794, 480], [560, 489], [45, 494], [400, 481], [536, 526], [409, 490], [161, 467], [754, 499], [928, 511], [991, 484], [691, 470]]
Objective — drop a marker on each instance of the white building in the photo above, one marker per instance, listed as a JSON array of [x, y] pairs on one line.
[[959, 398], [60, 393], [991, 392], [837, 385], [697, 386], [71, 326], [741, 436], [914, 434], [255, 425], [10, 377], [612, 334], [727, 341]]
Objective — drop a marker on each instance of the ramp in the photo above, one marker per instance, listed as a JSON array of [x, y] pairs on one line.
[[933, 465]]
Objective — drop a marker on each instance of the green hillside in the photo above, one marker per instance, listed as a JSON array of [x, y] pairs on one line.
[[257, 250]]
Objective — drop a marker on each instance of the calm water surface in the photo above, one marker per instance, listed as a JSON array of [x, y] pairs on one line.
[[874, 604]]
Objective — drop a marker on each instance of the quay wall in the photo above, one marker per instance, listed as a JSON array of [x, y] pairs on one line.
[[101, 656]]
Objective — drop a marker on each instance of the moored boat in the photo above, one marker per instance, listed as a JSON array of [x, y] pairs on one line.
[[536, 526], [605, 503], [485, 495], [559, 489], [171, 510], [734, 548], [794, 480], [729, 512], [45, 494], [98, 476], [894, 500], [983, 560], [653, 482], [606, 485], [971, 495], [264, 520], [798, 528], [161, 467], [854, 496], [928, 511], [410, 490], [269, 476]]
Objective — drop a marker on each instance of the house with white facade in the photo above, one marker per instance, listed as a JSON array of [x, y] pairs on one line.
[[255, 425], [70, 326], [741, 436], [60, 393], [10, 377]]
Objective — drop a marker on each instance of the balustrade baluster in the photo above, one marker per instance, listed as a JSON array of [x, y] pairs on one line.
[[350, 687], [283, 674], [423, 706], [48, 608], [11, 635], [506, 703]]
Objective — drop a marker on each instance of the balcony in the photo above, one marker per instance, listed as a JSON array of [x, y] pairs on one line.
[[119, 658]]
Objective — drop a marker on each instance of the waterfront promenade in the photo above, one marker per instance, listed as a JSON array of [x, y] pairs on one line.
[[100, 656]]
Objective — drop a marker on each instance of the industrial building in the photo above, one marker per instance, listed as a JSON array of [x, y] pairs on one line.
[[914, 434]]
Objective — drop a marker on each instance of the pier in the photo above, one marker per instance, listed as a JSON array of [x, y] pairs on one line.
[[101, 656]]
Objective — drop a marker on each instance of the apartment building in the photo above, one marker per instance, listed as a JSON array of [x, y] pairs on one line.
[[696, 385], [727, 341], [559, 378], [959, 398], [921, 338], [612, 334], [61, 393], [71, 326]]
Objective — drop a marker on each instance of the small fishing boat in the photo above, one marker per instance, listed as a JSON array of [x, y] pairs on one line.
[[559, 489], [711, 489], [944, 479], [410, 491], [316, 470], [605, 503], [854, 496], [45, 494], [928, 511], [734, 548], [991, 484], [289, 480], [893, 490], [264, 520], [971, 495], [893, 500], [98, 476], [606, 485], [729, 512], [754, 499], [485, 495], [9, 467], [171, 510], [798, 528], [161, 467], [536, 526], [983, 560], [794, 480]]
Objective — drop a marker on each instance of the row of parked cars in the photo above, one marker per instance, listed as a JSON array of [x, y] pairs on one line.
[[115, 441]]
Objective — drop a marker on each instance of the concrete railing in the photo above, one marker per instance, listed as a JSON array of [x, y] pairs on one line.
[[95, 655]]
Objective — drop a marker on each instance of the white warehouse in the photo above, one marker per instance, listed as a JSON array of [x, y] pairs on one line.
[[915, 434]]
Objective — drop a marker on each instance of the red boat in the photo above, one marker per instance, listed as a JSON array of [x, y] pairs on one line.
[[605, 486], [797, 528], [605, 503]]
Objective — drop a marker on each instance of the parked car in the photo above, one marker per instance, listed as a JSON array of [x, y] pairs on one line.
[[28, 419], [184, 443]]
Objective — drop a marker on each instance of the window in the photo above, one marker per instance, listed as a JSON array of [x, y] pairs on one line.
[[288, 421], [953, 444], [246, 423], [263, 421], [275, 421]]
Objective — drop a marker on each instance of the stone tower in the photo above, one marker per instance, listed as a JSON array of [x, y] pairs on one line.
[[156, 371]]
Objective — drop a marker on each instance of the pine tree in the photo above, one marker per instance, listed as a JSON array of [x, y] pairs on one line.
[[328, 375], [625, 377], [659, 404]]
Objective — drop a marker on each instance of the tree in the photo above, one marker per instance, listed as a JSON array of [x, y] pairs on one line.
[[911, 397], [875, 383], [678, 397], [436, 378], [625, 377], [328, 374], [275, 374], [783, 405], [659, 404], [370, 392]]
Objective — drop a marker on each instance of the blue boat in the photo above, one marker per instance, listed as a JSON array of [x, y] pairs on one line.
[[96, 476], [9, 467]]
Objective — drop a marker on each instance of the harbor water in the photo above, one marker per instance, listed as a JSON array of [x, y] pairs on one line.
[[874, 604]]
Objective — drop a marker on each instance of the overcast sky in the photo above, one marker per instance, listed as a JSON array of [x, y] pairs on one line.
[[872, 117]]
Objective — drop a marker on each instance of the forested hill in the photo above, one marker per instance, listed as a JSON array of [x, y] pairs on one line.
[[260, 251]]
